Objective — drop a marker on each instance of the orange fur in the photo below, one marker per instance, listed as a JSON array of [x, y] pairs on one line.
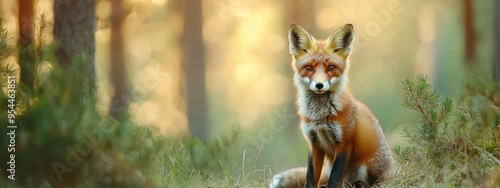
[[320, 156]]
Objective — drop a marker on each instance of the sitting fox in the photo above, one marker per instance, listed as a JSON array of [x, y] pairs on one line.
[[347, 144]]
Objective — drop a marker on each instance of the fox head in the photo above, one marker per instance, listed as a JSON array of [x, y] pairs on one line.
[[321, 66]]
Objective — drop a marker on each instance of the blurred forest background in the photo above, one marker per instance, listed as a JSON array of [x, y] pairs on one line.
[[214, 67]]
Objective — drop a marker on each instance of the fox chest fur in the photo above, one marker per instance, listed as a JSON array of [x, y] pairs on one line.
[[322, 121]]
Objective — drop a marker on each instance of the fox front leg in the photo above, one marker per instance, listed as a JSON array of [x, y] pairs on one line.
[[314, 166], [310, 182], [337, 172]]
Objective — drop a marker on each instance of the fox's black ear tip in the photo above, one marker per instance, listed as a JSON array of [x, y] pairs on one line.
[[349, 25]]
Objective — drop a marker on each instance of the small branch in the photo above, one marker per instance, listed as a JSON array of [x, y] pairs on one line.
[[418, 104], [258, 154], [486, 154], [243, 165], [490, 97], [413, 139], [442, 116]]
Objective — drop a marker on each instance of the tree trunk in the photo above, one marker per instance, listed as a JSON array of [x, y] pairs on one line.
[[74, 28], [470, 34], [193, 57], [26, 59], [496, 36], [118, 72]]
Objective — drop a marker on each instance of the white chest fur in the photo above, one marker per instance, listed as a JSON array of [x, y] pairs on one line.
[[328, 134]]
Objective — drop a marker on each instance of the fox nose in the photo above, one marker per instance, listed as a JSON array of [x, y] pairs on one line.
[[319, 85]]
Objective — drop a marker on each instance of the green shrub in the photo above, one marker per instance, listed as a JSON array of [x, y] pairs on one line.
[[454, 143]]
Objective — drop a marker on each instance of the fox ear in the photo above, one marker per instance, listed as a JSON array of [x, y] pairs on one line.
[[341, 40], [299, 40]]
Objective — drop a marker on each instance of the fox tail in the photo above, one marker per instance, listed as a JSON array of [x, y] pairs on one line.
[[293, 178]]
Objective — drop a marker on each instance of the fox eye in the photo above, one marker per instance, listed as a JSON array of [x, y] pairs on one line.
[[309, 68], [331, 68]]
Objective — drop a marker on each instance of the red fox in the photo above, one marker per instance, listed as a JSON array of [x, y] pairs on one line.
[[347, 144]]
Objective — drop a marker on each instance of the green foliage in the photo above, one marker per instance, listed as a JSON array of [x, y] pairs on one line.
[[61, 140], [5, 49], [65, 142], [4, 46], [419, 96], [455, 143]]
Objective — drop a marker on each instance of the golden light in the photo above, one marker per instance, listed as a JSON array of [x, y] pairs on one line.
[[103, 9], [136, 1], [140, 48], [276, 43], [103, 35], [159, 2], [246, 73], [328, 18]]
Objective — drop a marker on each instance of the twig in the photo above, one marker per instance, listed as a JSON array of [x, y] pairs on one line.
[[490, 98], [243, 168], [412, 139], [258, 154], [487, 154], [442, 116], [418, 104]]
